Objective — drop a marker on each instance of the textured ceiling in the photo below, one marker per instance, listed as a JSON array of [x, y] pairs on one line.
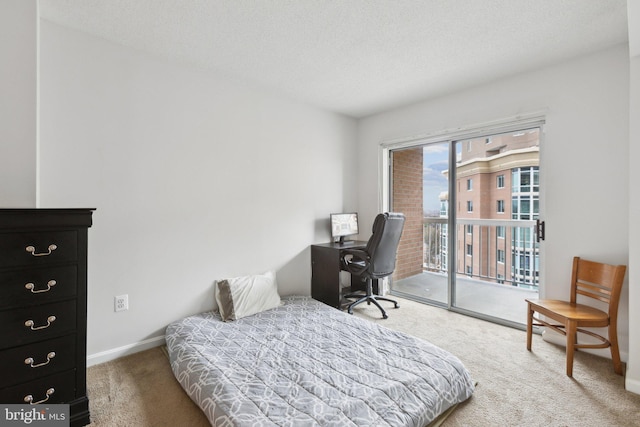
[[356, 57]]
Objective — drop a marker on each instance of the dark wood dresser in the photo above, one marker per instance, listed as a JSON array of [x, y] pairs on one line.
[[43, 308]]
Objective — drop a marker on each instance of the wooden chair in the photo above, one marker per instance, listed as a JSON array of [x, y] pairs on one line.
[[602, 282]]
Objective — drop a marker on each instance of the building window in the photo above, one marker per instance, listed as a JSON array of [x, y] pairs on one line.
[[444, 209], [500, 256], [500, 206], [469, 228], [500, 181], [525, 206], [500, 231], [525, 180], [469, 206], [487, 140], [469, 250], [469, 184], [469, 271]]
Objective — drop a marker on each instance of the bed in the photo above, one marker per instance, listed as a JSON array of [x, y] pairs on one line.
[[304, 363]]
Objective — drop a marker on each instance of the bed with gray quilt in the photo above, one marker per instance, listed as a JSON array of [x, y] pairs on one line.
[[307, 364]]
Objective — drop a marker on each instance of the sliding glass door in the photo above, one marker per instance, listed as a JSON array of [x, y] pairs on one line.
[[471, 204], [420, 189]]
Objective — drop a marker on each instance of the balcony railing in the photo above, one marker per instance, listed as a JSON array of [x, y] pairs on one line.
[[498, 251]]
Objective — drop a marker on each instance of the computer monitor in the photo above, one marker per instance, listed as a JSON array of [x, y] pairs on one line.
[[343, 224]]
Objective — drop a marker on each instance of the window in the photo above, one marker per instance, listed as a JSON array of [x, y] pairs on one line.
[[444, 208], [525, 183], [522, 237], [483, 162], [525, 180], [525, 206]]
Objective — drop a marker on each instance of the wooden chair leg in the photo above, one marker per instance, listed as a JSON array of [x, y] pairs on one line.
[[571, 329], [615, 350], [529, 325]]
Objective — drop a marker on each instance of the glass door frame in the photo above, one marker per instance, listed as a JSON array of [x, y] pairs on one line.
[[452, 137]]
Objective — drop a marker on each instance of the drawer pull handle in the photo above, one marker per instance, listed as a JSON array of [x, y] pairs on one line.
[[32, 250], [31, 287], [30, 323], [29, 360], [29, 398]]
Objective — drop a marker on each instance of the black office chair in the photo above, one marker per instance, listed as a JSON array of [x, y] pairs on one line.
[[377, 260]]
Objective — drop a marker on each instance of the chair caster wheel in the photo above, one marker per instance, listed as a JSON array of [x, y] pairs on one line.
[[384, 316], [397, 306]]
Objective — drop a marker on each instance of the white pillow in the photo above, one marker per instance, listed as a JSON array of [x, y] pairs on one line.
[[243, 296]]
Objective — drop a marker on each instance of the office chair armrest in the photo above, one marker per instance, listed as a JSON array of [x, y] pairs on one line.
[[355, 261]]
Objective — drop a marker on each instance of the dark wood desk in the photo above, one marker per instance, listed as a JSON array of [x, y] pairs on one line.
[[325, 273]]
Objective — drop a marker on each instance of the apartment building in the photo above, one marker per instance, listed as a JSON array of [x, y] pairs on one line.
[[497, 200]]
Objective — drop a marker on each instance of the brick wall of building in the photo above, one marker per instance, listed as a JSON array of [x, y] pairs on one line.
[[407, 198]]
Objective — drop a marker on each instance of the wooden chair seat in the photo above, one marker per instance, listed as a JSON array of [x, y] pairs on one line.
[[589, 279], [563, 310]]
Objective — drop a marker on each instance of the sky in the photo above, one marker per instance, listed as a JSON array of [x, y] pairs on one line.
[[436, 160]]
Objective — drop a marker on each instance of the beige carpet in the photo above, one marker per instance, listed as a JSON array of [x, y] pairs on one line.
[[515, 387], [140, 390]]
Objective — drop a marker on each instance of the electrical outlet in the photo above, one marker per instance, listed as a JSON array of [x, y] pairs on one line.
[[121, 303]]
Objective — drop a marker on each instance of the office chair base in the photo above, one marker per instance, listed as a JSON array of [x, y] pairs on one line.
[[370, 299]]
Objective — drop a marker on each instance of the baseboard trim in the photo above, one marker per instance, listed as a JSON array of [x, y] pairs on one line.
[[125, 350], [632, 385]]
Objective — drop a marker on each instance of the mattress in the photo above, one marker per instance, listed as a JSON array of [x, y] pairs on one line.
[[307, 364]]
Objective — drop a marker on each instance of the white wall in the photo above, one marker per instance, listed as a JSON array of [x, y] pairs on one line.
[[194, 178], [584, 156], [18, 74], [633, 366]]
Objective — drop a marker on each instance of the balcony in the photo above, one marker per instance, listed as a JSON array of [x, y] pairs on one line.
[[490, 299], [496, 272]]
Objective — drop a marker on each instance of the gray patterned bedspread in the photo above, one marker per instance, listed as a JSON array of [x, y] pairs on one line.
[[307, 364]]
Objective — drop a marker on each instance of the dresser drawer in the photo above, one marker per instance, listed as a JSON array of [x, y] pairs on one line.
[[37, 285], [31, 324], [37, 360], [57, 388], [37, 248]]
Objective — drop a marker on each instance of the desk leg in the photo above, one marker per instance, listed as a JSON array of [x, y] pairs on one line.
[[325, 275]]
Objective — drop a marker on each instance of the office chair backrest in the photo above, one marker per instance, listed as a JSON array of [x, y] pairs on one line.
[[383, 244]]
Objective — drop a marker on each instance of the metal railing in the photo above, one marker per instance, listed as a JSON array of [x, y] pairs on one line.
[[500, 251]]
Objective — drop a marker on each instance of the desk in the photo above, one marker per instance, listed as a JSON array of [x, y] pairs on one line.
[[325, 273]]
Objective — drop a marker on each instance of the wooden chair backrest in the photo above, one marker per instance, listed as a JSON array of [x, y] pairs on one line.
[[602, 282]]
